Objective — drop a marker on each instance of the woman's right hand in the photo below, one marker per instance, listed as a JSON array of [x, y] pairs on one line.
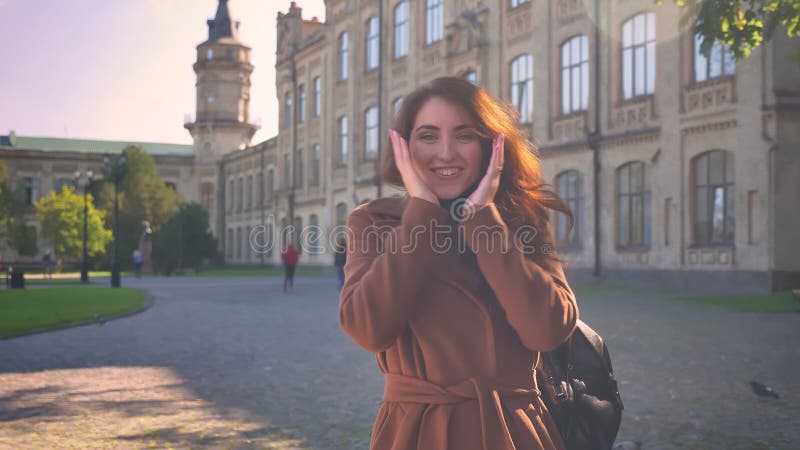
[[411, 179]]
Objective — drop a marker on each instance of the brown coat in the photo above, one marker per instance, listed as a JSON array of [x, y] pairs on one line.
[[456, 336]]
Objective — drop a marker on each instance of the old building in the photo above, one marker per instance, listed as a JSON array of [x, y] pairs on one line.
[[680, 168]]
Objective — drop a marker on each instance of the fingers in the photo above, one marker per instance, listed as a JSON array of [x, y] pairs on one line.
[[498, 152]]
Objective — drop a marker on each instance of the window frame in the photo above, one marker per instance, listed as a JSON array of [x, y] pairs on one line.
[[434, 21], [572, 179], [569, 69], [628, 199], [728, 186], [341, 142], [401, 30], [372, 50], [371, 132], [343, 56], [517, 70], [630, 45]]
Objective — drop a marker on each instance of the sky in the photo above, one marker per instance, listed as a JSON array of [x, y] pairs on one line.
[[122, 69]]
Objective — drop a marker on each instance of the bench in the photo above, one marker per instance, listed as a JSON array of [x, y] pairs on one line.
[[14, 272]]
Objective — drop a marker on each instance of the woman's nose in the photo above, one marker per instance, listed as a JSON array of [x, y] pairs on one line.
[[446, 151]]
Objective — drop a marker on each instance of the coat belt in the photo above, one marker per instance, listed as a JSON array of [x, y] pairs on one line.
[[402, 388]]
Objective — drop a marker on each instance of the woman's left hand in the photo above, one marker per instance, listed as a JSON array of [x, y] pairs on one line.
[[488, 186]]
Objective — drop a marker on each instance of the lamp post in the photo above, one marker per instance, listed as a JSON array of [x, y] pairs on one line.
[[115, 170], [86, 187]]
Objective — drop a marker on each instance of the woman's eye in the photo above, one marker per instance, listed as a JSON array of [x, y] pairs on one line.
[[427, 137]]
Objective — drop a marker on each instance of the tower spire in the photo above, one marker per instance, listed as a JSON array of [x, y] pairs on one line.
[[222, 26]]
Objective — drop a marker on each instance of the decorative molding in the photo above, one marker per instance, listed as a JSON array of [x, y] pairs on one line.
[[707, 127], [633, 113], [570, 128], [709, 96]]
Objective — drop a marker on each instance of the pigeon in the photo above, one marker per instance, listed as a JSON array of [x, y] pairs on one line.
[[763, 390]]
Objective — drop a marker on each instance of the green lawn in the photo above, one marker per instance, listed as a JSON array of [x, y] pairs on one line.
[[30, 309], [774, 302]]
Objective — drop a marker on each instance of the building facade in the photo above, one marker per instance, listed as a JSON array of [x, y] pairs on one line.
[[679, 168]]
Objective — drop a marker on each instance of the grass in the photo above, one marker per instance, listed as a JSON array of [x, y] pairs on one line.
[[25, 310], [765, 303]]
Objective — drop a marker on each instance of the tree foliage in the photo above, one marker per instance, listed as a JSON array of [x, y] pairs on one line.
[[13, 230], [61, 217], [185, 241], [743, 25], [143, 196]]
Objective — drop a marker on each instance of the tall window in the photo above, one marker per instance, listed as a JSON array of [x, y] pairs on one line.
[[522, 86], [575, 75], [317, 97], [231, 196], [230, 246], [396, 104], [314, 235], [287, 171], [373, 56], [633, 205], [433, 21], [472, 77], [570, 189], [639, 56], [300, 169], [343, 52], [719, 63], [260, 183], [713, 198], [315, 158], [249, 191], [30, 189], [238, 243], [240, 194], [341, 154], [301, 103], [401, 30], [207, 195], [371, 133], [287, 110], [341, 214], [270, 183]]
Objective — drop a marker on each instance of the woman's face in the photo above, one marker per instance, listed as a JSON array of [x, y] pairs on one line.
[[445, 148]]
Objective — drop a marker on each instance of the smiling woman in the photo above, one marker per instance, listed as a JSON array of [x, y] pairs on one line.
[[457, 329]]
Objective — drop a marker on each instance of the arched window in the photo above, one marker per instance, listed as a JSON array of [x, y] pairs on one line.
[[575, 75], [639, 56], [343, 58], [633, 205], [433, 21], [570, 189], [713, 197], [371, 46], [341, 154], [719, 63], [401, 30], [371, 133], [522, 86]]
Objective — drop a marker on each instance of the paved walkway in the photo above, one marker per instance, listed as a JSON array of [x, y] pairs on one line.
[[236, 363]]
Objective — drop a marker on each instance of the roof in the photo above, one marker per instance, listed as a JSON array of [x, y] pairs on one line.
[[222, 26], [13, 142]]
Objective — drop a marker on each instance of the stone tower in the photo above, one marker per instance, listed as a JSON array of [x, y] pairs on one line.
[[222, 120]]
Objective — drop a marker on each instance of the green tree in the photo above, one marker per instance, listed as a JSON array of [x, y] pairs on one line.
[[13, 230], [143, 196], [61, 217], [741, 24], [184, 241]]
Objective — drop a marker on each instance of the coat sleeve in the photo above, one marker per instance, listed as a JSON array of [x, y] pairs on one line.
[[539, 304], [381, 286]]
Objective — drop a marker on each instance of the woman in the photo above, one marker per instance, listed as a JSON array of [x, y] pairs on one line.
[[289, 255], [457, 325]]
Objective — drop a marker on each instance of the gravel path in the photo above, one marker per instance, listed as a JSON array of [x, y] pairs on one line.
[[236, 363]]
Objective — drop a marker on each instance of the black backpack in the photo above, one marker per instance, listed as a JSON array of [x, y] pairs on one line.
[[579, 389]]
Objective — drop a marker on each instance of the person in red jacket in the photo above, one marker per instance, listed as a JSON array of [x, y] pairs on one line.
[[289, 256]]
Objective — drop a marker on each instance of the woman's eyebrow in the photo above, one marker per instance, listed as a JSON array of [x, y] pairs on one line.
[[427, 127], [464, 126]]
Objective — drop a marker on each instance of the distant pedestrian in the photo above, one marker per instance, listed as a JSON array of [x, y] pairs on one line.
[[340, 258], [138, 259], [289, 256], [47, 263]]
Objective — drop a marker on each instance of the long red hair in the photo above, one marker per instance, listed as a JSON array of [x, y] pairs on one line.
[[523, 197]]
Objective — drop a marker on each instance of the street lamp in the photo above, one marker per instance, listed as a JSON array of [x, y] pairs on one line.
[[86, 187], [115, 170]]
